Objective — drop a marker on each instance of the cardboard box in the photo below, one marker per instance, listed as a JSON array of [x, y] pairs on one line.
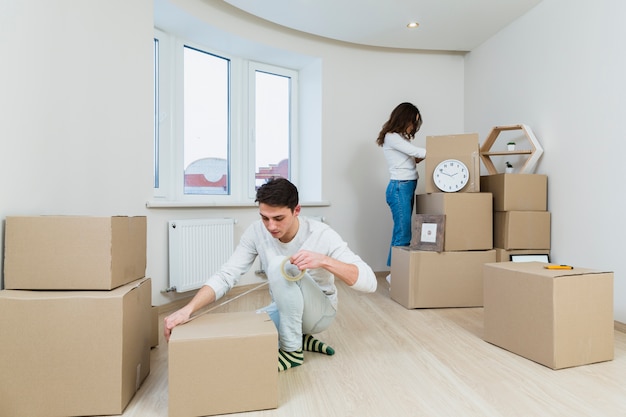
[[521, 229], [463, 147], [504, 255], [468, 221], [424, 279], [558, 318], [73, 353], [154, 329], [74, 252], [223, 363], [517, 192]]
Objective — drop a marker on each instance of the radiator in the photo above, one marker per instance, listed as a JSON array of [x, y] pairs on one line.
[[197, 249]]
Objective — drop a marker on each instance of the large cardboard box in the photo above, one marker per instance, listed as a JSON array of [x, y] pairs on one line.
[[73, 252], [517, 192], [463, 147], [504, 255], [223, 363], [468, 221], [558, 318], [521, 229], [73, 353], [424, 279]]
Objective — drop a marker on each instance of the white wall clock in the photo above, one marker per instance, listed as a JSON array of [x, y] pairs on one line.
[[450, 175]]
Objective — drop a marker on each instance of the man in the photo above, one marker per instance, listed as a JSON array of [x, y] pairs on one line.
[[288, 246]]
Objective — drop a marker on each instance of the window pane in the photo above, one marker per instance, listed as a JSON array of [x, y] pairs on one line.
[[206, 137], [156, 113], [272, 126]]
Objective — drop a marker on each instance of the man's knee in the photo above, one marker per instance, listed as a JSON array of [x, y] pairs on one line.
[[273, 268]]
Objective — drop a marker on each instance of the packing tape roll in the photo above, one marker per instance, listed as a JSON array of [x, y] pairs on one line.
[[288, 276]]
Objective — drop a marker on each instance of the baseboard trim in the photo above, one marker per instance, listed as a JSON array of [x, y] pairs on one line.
[[620, 327]]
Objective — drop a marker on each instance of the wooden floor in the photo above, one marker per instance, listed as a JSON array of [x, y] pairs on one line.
[[391, 361]]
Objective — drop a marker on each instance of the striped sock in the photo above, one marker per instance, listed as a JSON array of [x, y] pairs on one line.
[[288, 360], [311, 344]]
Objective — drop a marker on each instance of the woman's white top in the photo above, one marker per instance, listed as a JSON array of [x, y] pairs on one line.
[[400, 155]]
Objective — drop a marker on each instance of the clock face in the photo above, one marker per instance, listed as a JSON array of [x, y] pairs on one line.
[[451, 175]]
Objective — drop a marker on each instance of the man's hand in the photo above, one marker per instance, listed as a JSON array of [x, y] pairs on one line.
[[178, 317], [305, 259], [203, 297]]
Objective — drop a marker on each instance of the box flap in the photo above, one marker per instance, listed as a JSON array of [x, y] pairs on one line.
[[537, 268], [73, 294], [224, 325]]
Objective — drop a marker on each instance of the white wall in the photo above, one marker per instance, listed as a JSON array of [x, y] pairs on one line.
[[560, 69], [76, 107]]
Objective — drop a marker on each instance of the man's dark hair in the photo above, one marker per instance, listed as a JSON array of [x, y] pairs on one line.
[[278, 192]]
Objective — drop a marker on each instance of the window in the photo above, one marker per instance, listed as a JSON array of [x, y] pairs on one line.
[[223, 124], [272, 121], [156, 113], [205, 128]]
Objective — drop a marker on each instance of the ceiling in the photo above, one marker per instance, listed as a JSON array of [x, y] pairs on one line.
[[447, 25]]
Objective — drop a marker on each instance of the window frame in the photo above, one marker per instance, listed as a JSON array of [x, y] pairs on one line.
[[241, 148], [253, 67]]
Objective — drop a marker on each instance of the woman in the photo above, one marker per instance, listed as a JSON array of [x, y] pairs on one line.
[[402, 159]]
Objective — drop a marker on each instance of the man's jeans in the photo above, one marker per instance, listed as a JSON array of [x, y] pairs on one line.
[[298, 306]]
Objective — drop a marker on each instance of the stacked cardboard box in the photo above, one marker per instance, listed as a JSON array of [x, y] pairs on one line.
[[558, 318], [75, 315], [452, 276], [521, 220]]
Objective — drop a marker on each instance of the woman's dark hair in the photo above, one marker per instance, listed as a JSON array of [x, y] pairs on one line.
[[278, 192], [403, 115]]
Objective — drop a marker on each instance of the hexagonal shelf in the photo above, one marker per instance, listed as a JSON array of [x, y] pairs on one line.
[[534, 153]]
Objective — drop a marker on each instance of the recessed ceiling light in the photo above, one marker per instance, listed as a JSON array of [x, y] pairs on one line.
[[412, 25]]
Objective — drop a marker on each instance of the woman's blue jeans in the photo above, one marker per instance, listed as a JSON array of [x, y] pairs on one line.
[[400, 198]]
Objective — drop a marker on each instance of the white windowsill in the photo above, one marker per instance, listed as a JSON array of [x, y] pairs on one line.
[[156, 204]]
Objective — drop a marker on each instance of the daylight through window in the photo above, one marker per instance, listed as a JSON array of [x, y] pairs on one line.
[[225, 126]]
